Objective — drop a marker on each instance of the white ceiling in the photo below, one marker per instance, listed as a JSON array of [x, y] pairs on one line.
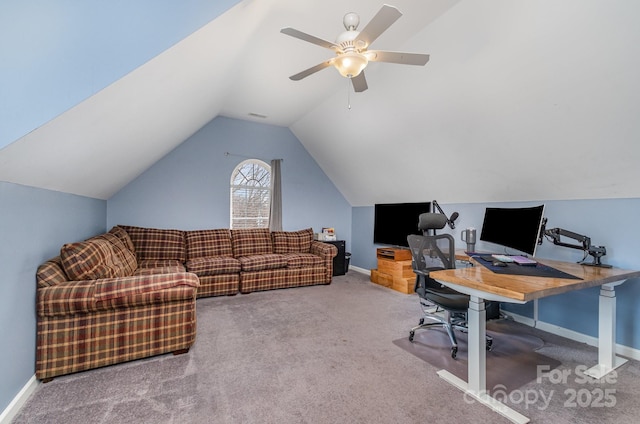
[[520, 101]]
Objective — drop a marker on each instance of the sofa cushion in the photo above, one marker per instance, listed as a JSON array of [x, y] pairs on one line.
[[154, 243], [126, 257], [262, 262], [123, 236], [213, 266], [160, 263], [249, 242], [303, 260], [90, 260], [208, 243], [159, 270], [306, 238], [292, 241]]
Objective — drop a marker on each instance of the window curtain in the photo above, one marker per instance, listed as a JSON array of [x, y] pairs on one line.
[[275, 215]]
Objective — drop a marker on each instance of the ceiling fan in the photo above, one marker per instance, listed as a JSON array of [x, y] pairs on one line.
[[351, 47]]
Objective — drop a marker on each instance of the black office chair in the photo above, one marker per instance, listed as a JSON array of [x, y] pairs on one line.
[[434, 252]]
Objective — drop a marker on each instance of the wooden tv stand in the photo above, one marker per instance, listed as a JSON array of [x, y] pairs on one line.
[[394, 269]]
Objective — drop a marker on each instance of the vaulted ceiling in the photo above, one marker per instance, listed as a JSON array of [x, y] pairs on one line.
[[519, 101]]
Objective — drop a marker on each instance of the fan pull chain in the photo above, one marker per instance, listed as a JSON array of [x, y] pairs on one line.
[[348, 94]]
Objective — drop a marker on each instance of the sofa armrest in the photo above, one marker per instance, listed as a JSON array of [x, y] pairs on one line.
[[114, 288], [327, 252], [73, 297]]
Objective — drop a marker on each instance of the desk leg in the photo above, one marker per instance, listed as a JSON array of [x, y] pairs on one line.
[[477, 320], [476, 388], [607, 359]]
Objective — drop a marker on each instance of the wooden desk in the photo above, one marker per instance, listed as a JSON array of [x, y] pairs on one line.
[[483, 284]]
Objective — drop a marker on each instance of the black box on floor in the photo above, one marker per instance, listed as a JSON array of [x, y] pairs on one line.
[[340, 265]]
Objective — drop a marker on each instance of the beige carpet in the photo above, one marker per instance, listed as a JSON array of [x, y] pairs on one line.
[[511, 363], [312, 355]]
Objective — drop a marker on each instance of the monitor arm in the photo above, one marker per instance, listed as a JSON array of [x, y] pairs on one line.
[[555, 234]]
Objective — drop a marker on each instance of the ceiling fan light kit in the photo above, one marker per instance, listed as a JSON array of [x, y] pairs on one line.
[[351, 47], [350, 64]]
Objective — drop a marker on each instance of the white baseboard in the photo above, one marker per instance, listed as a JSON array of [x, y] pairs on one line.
[[13, 408], [625, 351], [360, 270]]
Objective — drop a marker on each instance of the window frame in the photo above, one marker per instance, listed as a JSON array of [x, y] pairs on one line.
[[261, 221]]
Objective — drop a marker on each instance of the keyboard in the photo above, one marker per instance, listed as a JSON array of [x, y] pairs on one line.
[[521, 260], [502, 258]]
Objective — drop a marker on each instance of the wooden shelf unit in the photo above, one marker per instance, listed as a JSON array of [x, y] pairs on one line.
[[394, 269]]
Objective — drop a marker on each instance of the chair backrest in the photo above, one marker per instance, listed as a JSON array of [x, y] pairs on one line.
[[432, 252]]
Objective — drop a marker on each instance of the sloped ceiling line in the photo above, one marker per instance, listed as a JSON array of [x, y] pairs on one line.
[[507, 109]]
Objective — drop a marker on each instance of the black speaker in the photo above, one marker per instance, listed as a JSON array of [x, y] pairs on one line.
[[339, 261]]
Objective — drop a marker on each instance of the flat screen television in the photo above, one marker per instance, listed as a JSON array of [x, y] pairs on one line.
[[393, 222], [516, 228]]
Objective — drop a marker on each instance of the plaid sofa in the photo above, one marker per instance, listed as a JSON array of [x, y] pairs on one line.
[[231, 261], [96, 307], [130, 293]]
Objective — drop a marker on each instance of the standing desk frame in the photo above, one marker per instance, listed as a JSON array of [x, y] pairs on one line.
[[483, 284]]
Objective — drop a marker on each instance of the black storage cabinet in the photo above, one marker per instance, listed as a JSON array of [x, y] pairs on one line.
[[340, 260]]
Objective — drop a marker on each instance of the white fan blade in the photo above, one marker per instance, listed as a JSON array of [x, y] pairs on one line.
[[312, 70], [397, 57], [359, 83], [309, 38], [385, 17]]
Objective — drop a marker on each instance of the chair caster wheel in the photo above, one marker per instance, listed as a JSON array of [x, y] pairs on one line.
[[411, 334], [454, 352], [421, 321], [489, 344]]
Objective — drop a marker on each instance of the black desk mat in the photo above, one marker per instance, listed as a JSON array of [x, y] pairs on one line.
[[539, 270]]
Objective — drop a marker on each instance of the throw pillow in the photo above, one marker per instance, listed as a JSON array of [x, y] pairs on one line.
[[125, 257], [89, 260], [123, 236]]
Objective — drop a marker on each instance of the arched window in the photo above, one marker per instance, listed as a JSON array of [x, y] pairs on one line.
[[250, 194]]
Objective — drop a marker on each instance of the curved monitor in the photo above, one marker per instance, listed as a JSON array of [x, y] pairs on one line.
[[516, 228]]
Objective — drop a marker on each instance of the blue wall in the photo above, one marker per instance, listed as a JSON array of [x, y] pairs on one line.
[[611, 223], [56, 54], [189, 188], [34, 223]]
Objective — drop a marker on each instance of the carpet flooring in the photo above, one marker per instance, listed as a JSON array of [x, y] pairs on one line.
[[321, 354]]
